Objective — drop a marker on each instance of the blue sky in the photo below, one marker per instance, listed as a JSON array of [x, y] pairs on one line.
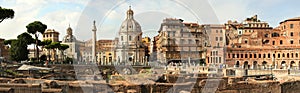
[[109, 14]]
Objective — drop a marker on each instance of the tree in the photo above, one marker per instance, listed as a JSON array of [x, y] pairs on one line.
[[49, 47], [18, 50], [62, 48], [25, 37], [45, 44], [35, 28], [8, 42], [6, 14], [53, 46]]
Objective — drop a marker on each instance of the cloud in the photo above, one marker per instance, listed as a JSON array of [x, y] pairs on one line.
[[29, 11], [109, 14]]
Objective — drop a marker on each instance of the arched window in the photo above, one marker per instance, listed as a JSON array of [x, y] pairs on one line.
[[275, 35], [129, 38], [237, 64]]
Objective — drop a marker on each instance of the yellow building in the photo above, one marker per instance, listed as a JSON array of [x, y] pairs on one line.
[[50, 34], [105, 52]]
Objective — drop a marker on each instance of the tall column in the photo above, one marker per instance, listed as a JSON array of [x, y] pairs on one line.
[[94, 42]]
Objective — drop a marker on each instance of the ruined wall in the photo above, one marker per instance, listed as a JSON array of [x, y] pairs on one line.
[[23, 88], [290, 87]]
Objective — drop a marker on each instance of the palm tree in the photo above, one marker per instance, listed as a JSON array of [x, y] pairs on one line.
[[62, 48]]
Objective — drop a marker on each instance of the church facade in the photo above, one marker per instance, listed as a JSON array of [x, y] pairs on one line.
[[74, 46], [130, 49]]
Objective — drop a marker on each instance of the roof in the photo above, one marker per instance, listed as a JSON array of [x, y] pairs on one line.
[[291, 19], [29, 67]]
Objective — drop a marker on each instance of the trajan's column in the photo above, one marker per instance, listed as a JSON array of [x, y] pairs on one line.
[[94, 42]]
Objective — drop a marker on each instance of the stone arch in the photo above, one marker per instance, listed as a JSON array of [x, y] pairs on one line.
[[237, 64], [255, 65], [283, 65], [299, 65], [246, 65], [293, 65], [264, 64]]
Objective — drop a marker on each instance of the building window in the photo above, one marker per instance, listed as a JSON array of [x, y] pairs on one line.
[[273, 42], [278, 56], [281, 42], [216, 38], [246, 41], [181, 41], [288, 55], [221, 38], [283, 55], [121, 38], [190, 41], [292, 55], [174, 34], [228, 55], [233, 56], [292, 33], [259, 55], [208, 60], [254, 55], [291, 26], [237, 55], [246, 55], [292, 42], [297, 55], [216, 31], [264, 56], [269, 55], [242, 55], [129, 38], [250, 55], [220, 60], [221, 31]]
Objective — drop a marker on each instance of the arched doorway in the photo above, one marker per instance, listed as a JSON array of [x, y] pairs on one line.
[[293, 65], [255, 65], [246, 65], [283, 65], [264, 65], [237, 64]]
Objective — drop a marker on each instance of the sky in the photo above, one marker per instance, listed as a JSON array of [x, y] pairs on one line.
[[109, 14]]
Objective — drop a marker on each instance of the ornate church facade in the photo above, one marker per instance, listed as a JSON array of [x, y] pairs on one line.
[[74, 46], [130, 49]]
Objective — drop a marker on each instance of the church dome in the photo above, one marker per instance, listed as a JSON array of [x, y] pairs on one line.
[[69, 37], [129, 24]]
